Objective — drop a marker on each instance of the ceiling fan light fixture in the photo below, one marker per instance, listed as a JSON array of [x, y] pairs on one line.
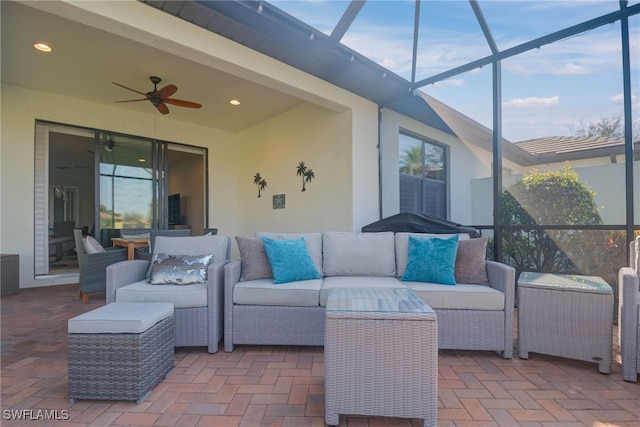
[[42, 47], [234, 102]]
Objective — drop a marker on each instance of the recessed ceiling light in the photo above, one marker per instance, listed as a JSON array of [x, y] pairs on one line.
[[234, 102], [43, 47]]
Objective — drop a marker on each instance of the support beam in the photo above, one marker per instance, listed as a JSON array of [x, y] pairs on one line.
[[347, 19], [416, 28], [533, 44], [497, 161], [628, 122], [483, 25]]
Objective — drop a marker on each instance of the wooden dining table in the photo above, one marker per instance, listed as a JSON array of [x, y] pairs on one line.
[[130, 243]]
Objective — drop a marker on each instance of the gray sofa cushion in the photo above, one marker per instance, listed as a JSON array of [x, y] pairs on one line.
[[332, 282], [193, 245], [119, 318], [313, 241], [358, 254], [253, 258], [302, 293], [181, 296], [402, 247], [471, 261], [460, 296]]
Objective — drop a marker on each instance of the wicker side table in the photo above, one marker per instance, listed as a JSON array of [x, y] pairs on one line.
[[567, 316], [120, 351], [380, 355], [9, 274]]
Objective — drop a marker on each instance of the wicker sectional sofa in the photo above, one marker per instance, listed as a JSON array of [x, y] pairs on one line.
[[629, 314], [471, 316]]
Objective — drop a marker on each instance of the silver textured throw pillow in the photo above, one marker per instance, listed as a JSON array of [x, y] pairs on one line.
[[179, 269]]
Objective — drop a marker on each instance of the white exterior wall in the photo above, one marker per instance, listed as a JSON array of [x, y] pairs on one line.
[[318, 137]]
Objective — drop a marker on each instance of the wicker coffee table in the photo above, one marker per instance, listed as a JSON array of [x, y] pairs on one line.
[[120, 351], [380, 355], [567, 316]]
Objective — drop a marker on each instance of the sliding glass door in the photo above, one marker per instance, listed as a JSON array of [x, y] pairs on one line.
[[127, 184], [105, 182]]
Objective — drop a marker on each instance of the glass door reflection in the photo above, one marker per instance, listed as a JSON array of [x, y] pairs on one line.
[[126, 185]]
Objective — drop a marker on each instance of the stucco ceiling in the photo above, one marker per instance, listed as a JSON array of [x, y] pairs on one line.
[[86, 61]]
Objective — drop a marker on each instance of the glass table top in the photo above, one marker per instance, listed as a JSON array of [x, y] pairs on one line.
[[564, 281], [376, 300]]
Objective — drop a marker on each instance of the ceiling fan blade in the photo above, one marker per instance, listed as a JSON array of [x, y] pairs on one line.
[[162, 107], [182, 103], [132, 100], [128, 88], [167, 91]]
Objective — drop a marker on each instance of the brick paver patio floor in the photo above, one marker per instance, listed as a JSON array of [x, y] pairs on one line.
[[283, 386]]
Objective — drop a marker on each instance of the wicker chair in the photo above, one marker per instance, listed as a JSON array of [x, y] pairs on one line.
[[195, 324], [93, 267], [629, 314]]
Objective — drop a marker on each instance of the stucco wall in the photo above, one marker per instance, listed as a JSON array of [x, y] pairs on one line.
[[322, 140]]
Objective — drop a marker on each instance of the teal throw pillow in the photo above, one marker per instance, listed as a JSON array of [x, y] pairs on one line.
[[290, 260], [431, 259]]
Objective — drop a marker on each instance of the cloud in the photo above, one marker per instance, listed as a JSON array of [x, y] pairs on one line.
[[533, 102], [619, 98], [528, 65], [571, 68], [571, 56]]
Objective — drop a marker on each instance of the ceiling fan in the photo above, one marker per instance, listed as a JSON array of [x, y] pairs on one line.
[[160, 97]]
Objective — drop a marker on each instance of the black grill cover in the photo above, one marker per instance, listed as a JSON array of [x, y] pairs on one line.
[[418, 222]]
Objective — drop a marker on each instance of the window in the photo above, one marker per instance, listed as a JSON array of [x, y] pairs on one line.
[[423, 176]]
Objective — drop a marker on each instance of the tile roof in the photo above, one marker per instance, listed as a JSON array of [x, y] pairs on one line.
[[560, 148]]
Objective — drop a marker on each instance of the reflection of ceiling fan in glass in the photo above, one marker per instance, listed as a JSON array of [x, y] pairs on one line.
[[108, 142], [160, 97]]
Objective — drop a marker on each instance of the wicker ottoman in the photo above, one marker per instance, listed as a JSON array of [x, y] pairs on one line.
[[565, 315], [120, 351], [380, 355]]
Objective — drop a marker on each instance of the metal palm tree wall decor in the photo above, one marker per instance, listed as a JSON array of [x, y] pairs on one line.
[[306, 174], [260, 182]]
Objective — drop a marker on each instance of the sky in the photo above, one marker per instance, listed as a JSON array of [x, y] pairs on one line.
[[551, 91]]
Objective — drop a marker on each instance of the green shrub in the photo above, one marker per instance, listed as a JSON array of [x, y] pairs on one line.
[[547, 198]]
